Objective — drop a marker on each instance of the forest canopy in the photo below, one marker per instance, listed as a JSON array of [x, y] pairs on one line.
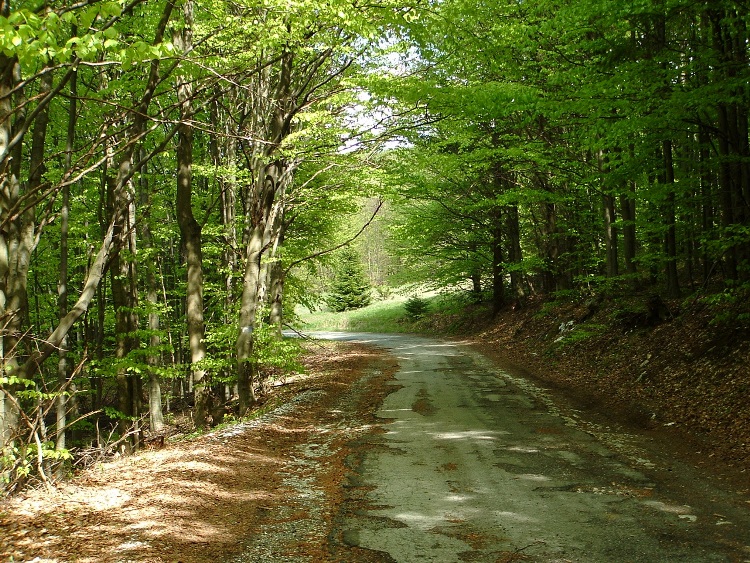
[[171, 172]]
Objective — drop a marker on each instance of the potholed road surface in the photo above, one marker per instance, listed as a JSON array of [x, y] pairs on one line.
[[476, 464]]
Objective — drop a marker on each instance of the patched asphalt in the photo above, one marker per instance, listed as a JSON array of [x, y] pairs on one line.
[[476, 464]]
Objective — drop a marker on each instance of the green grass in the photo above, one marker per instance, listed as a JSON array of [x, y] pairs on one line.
[[381, 316]]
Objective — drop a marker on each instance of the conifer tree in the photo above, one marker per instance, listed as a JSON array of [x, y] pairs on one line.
[[350, 288]]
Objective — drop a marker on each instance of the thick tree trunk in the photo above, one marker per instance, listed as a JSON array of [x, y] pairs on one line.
[[18, 235], [8, 187], [248, 311], [268, 203]]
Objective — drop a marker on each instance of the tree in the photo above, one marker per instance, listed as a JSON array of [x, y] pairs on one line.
[[350, 288], [618, 150]]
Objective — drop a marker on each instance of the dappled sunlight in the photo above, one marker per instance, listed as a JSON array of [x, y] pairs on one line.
[[522, 449], [459, 498], [514, 516], [671, 508], [420, 520], [466, 435], [532, 477]]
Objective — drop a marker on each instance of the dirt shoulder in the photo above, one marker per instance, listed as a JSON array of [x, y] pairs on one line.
[[272, 484], [683, 375]]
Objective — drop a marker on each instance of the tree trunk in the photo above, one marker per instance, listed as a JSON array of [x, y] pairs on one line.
[[515, 256], [727, 184], [62, 286], [123, 281], [259, 206], [276, 297], [248, 310], [498, 277], [8, 187], [228, 203], [153, 358], [627, 210], [190, 231], [270, 192], [276, 274], [670, 242], [124, 285]]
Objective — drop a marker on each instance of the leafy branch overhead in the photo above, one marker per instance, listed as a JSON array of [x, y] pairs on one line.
[[175, 175]]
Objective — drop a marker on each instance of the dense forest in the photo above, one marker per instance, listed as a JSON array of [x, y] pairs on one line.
[[172, 173]]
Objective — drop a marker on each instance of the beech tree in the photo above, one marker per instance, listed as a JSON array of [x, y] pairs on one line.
[[169, 171], [614, 153], [151, 150]]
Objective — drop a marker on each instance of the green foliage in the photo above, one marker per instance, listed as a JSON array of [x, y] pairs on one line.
[[501, 126], [350, 288], [19, 461], [579, 333], [416, 308], [384, 316], [730, 308], [115, 414], [274, 356]]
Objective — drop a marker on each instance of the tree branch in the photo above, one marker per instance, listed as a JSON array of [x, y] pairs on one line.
[[343, 244]]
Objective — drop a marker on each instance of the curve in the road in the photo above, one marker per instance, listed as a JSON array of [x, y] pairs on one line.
[[478, 465]]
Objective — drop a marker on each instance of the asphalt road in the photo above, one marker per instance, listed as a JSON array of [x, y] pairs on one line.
[[476, 464]]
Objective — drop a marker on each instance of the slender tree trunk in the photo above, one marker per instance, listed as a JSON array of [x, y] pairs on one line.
[[627, 210], [228, 204], [153, 359], [190, 231], [475, 275], [124, 280], [62, 285], [515, 253], [276, 274], [610, 235], [673, 283], [125, 301], [498, 274], [276, 297], [721, 45]]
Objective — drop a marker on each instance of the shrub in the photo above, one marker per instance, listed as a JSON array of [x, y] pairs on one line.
[[416, 308]]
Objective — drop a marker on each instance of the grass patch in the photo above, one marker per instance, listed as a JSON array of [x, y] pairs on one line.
[[386, 316]]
